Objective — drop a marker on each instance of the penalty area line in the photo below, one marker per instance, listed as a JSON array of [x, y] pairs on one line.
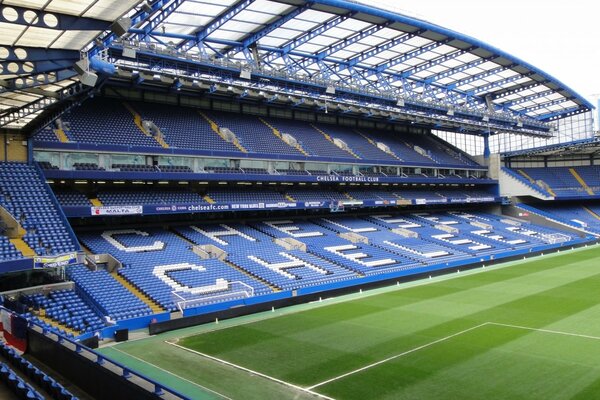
[[579, 335], [250, 371], [356, 371]]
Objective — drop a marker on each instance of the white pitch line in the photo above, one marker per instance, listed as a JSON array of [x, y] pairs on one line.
[[306, 390], [175, 375], [396, 356], [546, 331]]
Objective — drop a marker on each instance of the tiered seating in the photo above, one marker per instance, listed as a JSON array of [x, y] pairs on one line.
[[7, 250], [183, 127], [140, 197], [24, 194], [245, 196], [87, 167], [255, 252], [315, 195], [254, 135], [175, 168], [107, 294], [581, 216], [70, 197], [359, 145], [134, 168], [29, 370], [560, 180], [46, 135], [150, 256], [361, 258], [401, 144], [105, 121], [312, 141], [47, 165], [67, 308]]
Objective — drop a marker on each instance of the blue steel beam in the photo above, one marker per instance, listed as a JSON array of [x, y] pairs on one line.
[[476, 77], [525, 99], [33, 54], [339, 45], [411, 54], [515, 89], [215, 24], [305, 37], [383, 47], [35, 80], [460, 68], [436, 61], [561, 113], [267, 29], [544, 105], [20, 68], [165, 9], [63, 21], [490, 86]]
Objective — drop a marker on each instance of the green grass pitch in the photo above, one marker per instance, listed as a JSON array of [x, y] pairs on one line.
[[529, 330]]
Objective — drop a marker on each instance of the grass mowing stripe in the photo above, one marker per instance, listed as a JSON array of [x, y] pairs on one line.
[[552, 293], [220, 395], [259, 348], [356, 371], [546, 331], [308, 390]]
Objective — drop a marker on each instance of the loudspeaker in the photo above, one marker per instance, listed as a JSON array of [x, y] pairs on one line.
[[128, 52], [89, 79], [245, 74], [121, 335], [121, 26]]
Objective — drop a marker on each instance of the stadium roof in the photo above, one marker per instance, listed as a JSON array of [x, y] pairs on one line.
[[40, 40], [347, 47]]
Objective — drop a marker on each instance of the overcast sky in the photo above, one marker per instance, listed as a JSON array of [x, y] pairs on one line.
[[557, 36]]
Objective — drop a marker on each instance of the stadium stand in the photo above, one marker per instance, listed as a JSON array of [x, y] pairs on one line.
[[24, 194], [580, 181], [29, 372], [187, 128]]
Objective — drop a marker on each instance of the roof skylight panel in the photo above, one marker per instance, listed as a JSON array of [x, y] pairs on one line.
[[42, 37], [9, 33], [317, 16], [109, 10], [418, 41], [270, 7], [74, 40]]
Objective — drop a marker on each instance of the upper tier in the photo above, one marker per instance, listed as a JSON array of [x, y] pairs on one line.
[[111, 122]]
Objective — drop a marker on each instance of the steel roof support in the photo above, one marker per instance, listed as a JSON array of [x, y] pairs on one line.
[[490, 86], [268, 28], [383, 47], [410, 54], [525, 99], [436, 61], [215, 24], [39, 54], [544, 105], [300, 40], [35, 80], [321, 55]]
